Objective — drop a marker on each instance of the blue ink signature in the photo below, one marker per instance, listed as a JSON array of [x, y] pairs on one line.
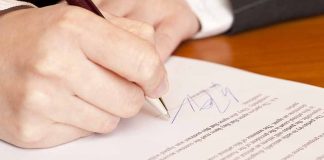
[[216, 96]]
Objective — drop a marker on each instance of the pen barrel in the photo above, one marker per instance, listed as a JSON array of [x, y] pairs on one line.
[[86, 4]]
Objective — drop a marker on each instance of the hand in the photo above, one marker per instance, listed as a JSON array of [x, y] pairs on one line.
[[67, 73], [173, 20]]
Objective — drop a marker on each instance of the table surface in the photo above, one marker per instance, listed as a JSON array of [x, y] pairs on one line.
[[293, 50]]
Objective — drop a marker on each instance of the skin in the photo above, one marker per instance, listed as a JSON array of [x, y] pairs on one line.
[[173, 20], [67, 73]]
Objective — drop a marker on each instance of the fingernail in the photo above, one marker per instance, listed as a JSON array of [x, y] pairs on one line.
[[162, 89]]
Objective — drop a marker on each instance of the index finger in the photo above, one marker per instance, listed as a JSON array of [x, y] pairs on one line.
[[124, 53]]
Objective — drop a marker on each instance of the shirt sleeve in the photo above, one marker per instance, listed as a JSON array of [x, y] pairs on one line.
[[215, 16], [6, 4]]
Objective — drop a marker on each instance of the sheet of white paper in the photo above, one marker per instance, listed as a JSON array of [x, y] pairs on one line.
[[217, 112]]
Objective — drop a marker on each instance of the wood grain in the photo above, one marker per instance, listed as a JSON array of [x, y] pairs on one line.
[[293, 50]]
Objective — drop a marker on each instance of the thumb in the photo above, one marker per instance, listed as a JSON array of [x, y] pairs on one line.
[[171, 32], [140, 29]]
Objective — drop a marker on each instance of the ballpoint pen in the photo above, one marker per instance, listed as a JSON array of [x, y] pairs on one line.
[[89, 5]]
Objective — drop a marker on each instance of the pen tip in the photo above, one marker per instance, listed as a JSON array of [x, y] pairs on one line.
[[166, 116]]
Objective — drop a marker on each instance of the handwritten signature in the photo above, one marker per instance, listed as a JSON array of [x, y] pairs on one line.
[[216, 96]]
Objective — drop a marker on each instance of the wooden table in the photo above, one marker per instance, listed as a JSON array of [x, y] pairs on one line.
[[292, 50]]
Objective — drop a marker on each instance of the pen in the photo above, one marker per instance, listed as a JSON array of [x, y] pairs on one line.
[[89, 5]]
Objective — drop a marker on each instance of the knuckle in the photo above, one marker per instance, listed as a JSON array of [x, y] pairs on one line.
[[63, 23], [134, 103], [35, 99], [49, 66], [109, 125], [27, 135], [68, 19], [50, 61]]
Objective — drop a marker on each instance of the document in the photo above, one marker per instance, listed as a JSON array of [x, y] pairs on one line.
[[217, 113]]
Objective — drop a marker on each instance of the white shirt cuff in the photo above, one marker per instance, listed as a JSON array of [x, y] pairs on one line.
[[215, 16], [5, 4]]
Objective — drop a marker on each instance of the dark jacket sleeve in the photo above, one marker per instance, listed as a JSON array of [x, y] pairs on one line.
[[42, 3], [250, 14]]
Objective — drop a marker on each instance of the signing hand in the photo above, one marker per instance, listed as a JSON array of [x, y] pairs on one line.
[[67, 73]]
